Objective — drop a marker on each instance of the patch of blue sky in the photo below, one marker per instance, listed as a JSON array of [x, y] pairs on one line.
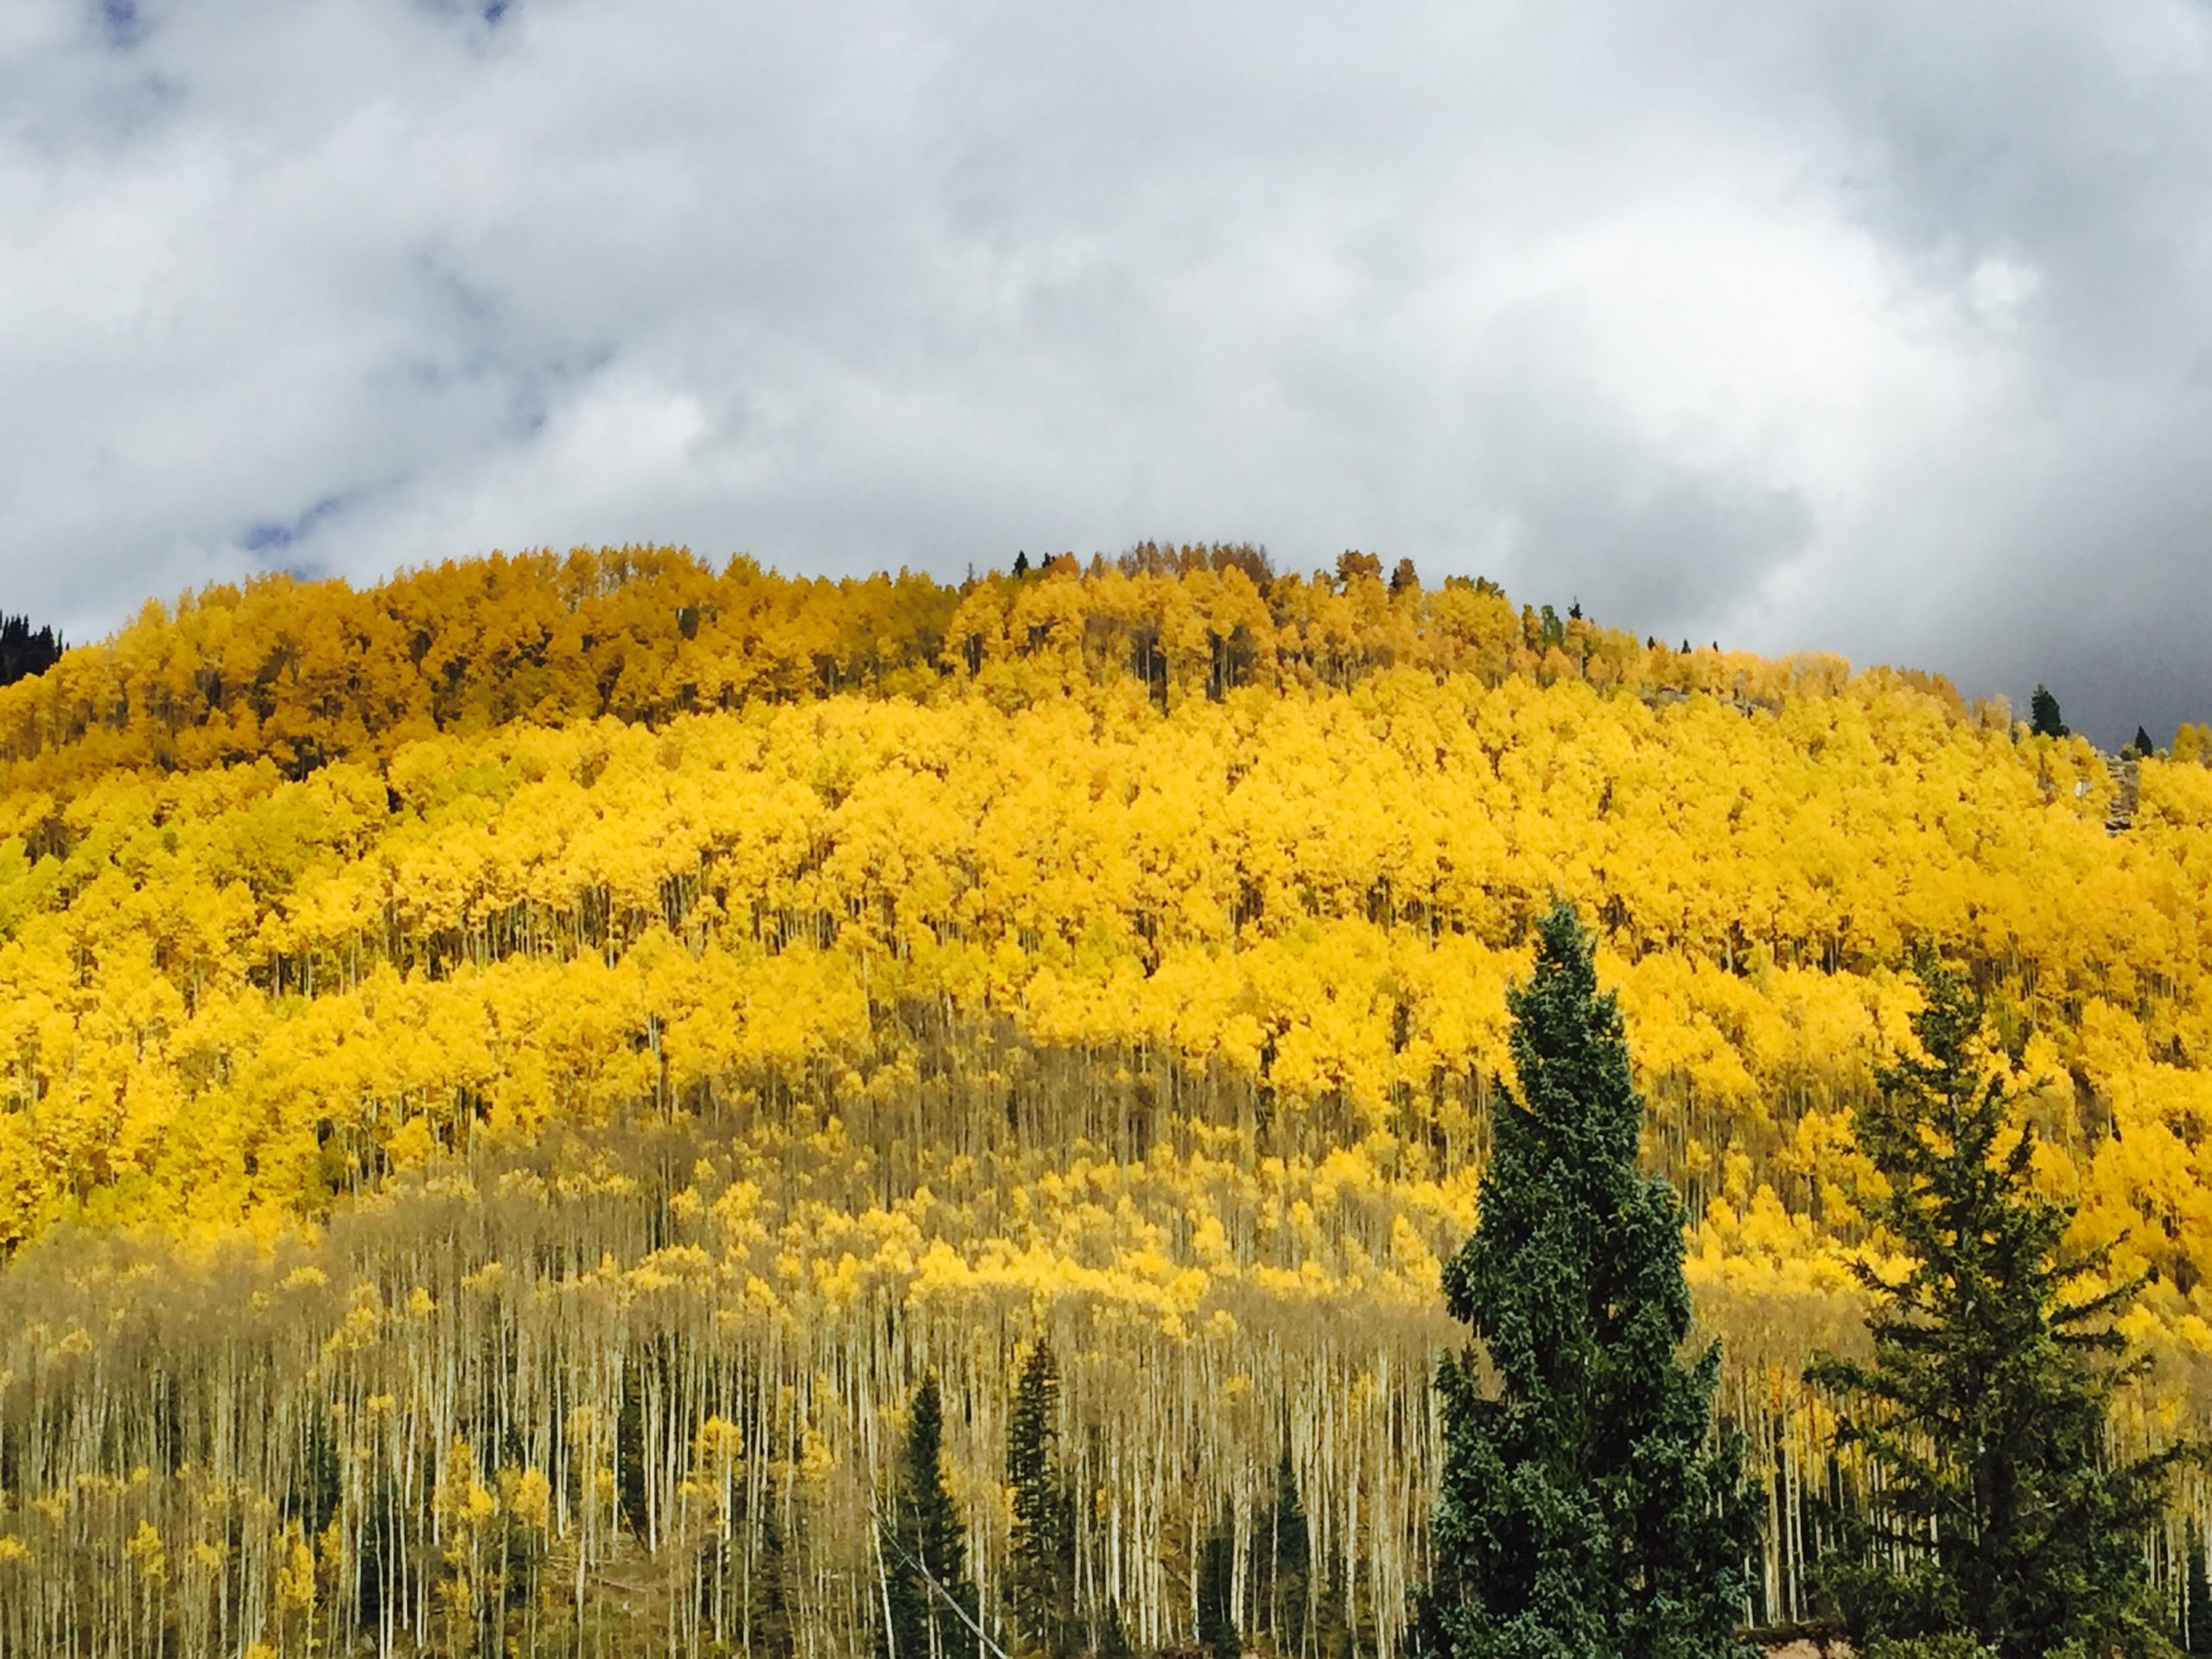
[[274, 535]]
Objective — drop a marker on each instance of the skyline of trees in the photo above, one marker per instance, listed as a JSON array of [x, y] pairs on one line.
[[25, 651], [302, 672]]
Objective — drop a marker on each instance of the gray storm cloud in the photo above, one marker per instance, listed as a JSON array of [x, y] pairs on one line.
[[1867, 328]]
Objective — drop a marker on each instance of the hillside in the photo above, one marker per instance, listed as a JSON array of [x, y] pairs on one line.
[[532, 1061]]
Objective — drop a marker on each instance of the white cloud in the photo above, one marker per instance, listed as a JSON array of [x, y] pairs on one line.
[[1754, 324]]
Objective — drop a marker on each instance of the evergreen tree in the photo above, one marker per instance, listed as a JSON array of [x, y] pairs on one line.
[[925, 1588], [630, 1452], [2143, 745], [2043, 718], [25, 651], [1041, 1571], [1334, 1637], [768, 1631], [2001, 1514], [1216, 1605], [2196, 1594], [1283, 1562], [1587, 1510], [1111, 1638]]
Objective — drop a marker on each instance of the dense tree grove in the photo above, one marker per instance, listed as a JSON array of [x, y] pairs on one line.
[[511, 1079], [25, 651]]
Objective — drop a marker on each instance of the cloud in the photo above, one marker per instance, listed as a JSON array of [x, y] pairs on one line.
[[1862, 329]]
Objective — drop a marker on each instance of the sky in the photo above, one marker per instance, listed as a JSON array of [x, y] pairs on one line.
[[1882, 328]]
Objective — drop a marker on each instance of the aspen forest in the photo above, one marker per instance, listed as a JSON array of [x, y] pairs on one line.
[[513, 1081]]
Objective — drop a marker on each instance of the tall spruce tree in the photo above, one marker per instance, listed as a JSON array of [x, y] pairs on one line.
[[925, 1588], [2196, 1594], [2003, 1514], [2043, 717], [1588, 1511], [1041, 1570]]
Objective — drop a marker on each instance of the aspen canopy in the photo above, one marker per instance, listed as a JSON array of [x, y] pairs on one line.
[[512, 1079]]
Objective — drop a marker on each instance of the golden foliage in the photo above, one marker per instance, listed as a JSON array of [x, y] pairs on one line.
[[563, 951]]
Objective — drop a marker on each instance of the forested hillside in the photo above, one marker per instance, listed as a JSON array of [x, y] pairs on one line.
[[513, 1077]]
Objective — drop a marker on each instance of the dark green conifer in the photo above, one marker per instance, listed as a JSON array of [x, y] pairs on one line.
[[630, 1452], [2043, 718], [768, 1632], [1217, 1632], [1587, 1510], [2196, 1594], [1110, 1639], [25, 651], [929, 1610], [1336, 1622], [1283, 1562], [1040, 1568], [2003, 1514]]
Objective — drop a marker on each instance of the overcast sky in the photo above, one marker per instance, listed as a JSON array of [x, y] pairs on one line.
[[1878, 327]]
